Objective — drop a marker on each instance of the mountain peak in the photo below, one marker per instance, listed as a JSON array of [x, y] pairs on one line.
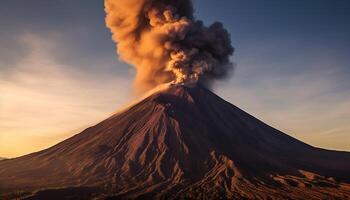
[[178, 92], [182, 142]]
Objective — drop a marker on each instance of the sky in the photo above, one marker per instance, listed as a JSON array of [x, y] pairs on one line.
[[59, 72]]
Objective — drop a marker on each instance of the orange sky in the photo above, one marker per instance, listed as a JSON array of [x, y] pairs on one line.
[[59, 73], [37, 111]]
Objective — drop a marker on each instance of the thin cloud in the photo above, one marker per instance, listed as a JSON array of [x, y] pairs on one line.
[[42, 100], [303, 105]]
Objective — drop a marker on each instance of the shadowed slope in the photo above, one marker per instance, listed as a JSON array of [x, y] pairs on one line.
[[184, 142]]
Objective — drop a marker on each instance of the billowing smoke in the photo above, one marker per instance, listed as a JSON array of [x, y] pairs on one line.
[[165, 43]]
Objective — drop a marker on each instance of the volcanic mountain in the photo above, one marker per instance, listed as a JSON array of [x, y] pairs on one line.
[[181, 142]]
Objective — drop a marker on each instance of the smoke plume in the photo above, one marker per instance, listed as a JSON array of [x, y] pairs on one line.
[[165, 43]]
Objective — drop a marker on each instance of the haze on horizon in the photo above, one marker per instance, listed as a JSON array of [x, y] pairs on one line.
[[59, 73]]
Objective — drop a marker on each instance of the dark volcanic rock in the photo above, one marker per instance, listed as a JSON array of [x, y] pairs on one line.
[[184, 142]]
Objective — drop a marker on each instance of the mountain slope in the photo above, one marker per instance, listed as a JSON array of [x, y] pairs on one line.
[[184, 142]]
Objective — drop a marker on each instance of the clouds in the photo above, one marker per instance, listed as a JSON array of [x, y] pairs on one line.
[[42, 100], [312, 106], [58, 73], [296, 84], [78, 25]]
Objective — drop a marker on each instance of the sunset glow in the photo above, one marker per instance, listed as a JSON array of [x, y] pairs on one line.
[[55, 81]]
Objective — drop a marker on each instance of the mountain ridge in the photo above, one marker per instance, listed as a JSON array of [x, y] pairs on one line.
[[184, 142]]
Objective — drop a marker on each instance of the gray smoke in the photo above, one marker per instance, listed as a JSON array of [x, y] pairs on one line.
[[165, 43]]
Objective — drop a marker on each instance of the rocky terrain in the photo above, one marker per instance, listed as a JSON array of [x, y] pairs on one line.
[[179, 143]]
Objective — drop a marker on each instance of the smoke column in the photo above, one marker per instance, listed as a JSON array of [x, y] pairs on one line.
[[165, 43]]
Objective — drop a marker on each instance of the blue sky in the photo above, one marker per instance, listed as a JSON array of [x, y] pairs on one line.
[[59, 72]]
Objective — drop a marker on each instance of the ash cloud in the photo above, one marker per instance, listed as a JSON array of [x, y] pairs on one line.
[[165, 43]]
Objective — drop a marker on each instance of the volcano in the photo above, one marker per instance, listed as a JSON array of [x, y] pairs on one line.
[[180, 143]]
